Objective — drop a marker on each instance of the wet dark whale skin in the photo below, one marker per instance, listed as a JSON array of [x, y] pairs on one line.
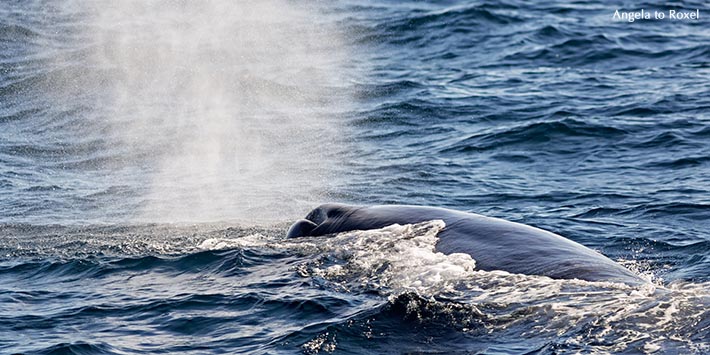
[[494, 243]]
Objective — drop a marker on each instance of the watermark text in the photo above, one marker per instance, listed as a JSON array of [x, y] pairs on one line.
[[643, 14]]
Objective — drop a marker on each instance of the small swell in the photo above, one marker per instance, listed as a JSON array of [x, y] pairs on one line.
[[580, 50], [417, 26], [534, 133], [78, 348], [686, 162], [695, 211]]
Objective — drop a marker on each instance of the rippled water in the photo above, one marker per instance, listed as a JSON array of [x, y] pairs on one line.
[[152, 157]]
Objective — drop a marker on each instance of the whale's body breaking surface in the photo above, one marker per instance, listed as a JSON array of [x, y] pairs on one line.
[[494, 243]]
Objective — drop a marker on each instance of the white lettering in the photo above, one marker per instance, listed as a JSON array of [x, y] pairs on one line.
[[631, 16], [681, 15], [642, 14]]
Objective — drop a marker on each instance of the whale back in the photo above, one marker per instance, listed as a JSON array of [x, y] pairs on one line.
[[495, 244]]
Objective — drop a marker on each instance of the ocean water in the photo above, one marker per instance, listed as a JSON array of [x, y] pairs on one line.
[[153, 154]]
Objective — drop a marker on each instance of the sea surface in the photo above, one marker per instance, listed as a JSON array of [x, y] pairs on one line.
[[154, 153]]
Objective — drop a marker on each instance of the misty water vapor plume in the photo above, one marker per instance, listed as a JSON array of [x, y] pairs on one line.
[[228, 102]]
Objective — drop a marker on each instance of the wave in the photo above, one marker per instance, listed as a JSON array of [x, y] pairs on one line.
[[78, 348], [679, 163], [534, 133], [601, 51], [686, 210], [417, 27], [227, 263]]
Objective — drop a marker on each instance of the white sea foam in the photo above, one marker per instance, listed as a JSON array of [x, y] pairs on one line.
[[248, 241], [398, 258]]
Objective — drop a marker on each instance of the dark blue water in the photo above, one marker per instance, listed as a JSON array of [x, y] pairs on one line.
[[152, 157]]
